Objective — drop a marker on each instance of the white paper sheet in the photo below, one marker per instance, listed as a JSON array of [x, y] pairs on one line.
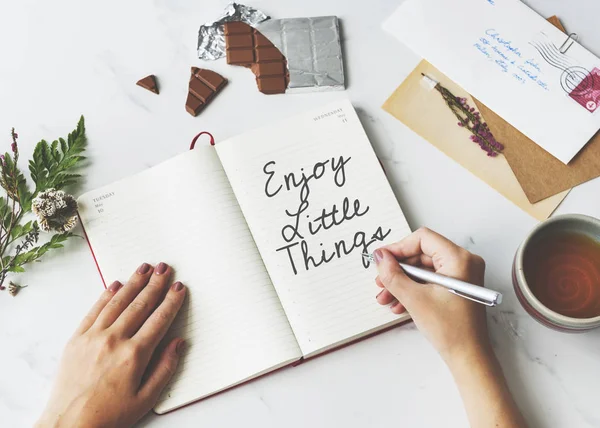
[[315, 197], [509, 57]]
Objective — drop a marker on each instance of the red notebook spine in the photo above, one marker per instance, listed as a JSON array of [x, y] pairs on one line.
[[91, 250]]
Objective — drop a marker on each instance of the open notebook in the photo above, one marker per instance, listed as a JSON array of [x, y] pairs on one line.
[[266, 230]]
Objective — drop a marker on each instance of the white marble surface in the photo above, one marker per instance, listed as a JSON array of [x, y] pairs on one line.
[[62, 58]]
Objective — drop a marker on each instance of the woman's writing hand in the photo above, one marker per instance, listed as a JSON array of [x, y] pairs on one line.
[[451, 323], [455, 326], [109, 375]]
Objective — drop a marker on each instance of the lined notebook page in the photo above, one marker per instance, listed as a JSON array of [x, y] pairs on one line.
[[183, 212], [333, 164]]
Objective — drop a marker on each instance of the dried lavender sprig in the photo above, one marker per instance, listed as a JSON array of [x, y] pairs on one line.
[[471, 120], [14, 146]]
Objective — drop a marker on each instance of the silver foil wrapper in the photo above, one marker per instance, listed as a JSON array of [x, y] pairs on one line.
[[211, 39], [313, 49]]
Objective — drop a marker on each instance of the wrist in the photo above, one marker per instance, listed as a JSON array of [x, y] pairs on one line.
[[47, 421], [480, 381], [53, 418], [468, 356]]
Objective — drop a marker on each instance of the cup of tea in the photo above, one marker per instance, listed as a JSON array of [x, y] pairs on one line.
[[556, 273]]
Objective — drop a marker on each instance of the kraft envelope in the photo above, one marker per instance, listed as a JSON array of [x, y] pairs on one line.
[[510, 58], [540, 174], [424, 111]]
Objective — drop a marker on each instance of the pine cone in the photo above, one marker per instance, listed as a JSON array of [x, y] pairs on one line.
[[55, 210]]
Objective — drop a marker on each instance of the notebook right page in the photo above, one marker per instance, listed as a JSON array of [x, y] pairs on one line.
[[315, 198]]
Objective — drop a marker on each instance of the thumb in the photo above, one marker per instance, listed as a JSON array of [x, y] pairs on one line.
[[392, 276]]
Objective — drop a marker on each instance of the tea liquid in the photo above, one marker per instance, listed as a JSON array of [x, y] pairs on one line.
[[563, 272]]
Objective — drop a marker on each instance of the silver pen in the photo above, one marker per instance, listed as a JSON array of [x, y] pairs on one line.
[[469, 291]]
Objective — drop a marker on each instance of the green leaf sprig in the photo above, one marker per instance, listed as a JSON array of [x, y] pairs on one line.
[[53, 167]]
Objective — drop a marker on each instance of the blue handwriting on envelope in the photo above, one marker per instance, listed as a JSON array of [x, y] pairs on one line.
[[511, 59]]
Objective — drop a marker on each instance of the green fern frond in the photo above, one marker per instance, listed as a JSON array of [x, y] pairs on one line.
[[52, 163]]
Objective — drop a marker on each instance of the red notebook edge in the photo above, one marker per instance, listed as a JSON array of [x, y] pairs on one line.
[[91, 249], [302, 360]]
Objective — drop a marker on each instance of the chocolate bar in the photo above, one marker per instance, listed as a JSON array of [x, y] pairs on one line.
[[313, 50], [247, 47], [149, 83], [204, 86], [211, 40]]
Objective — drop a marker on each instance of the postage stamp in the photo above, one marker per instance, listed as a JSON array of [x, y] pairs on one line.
[[587, 91]]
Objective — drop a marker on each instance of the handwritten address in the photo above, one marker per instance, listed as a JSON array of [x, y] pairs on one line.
[[510, 59]]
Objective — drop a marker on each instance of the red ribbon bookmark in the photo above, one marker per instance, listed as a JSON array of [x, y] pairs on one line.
[[212, 139]]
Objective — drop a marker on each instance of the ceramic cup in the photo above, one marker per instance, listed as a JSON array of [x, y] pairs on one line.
[[571, 222]]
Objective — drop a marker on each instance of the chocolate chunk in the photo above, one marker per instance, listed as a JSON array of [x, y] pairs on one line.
[[261, 40], [204, 86], [193, 105], [237, 27], [270, 68], [213, 80], [243, 57], [267, 54], [247, 47], [239, 40], [200, 90], [271, 84], [149, 82]]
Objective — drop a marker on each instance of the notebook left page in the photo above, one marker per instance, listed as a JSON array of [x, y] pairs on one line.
[[184, 212]]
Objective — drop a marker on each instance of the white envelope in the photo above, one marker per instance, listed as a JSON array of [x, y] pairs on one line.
[[512, 60]]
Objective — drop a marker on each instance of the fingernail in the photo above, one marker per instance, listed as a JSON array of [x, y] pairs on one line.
[[143, 268], [115, 286], [161, 268], [180, 347], [379, 294], [378, 256], [178, 286]]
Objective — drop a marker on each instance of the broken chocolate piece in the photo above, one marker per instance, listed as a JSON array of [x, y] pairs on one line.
[[193, 105], [204, 86], [214, 80], [149, 82], [247, 47]]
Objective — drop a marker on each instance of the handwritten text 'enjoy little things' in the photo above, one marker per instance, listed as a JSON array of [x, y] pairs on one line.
[[301, 225]]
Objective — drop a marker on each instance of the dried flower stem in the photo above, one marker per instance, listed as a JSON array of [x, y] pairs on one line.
[[30, 239], [471, 120]]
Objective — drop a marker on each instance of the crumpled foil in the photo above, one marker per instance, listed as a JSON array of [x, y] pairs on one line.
[[211, 38], [313, 49]]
